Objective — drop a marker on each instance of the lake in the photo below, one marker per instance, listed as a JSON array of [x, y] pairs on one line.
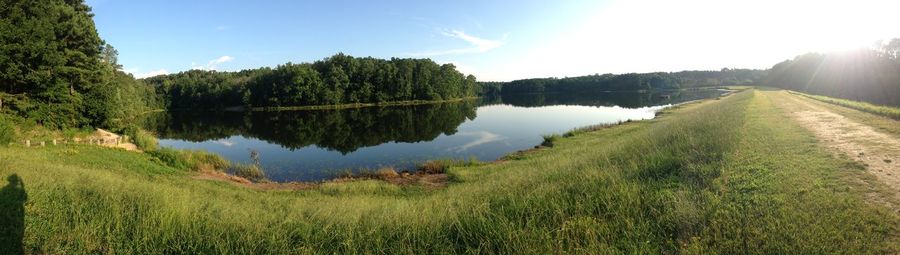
[[313, 145]]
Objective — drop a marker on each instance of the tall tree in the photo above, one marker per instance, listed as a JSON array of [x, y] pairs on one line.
[[110, 56], [50, 52]]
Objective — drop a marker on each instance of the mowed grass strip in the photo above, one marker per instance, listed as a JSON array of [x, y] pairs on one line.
[[866, 117], [882, 110], [722, 176]]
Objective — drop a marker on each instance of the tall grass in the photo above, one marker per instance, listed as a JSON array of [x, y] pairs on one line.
[[727, 176], [440, 166], [195, 160], [251, 172], [142, 138], [883, 110], [7, 131], [549, 140]]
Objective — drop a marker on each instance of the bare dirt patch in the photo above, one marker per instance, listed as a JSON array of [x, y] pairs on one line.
[[427, 180], [878, 152], [243, 182], [110, 139]]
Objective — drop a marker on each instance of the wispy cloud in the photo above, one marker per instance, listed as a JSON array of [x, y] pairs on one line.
[[212, 64], [477, 45], [224, 142], [140, 75], [481, 137], [221, 28]]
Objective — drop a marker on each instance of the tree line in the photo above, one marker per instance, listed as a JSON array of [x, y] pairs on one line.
[[628, 82], [627, 99], [339, 79], [56, 70], [870, 74]]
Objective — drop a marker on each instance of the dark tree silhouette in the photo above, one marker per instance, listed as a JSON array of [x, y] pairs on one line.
[[870, 75], [12, 216]]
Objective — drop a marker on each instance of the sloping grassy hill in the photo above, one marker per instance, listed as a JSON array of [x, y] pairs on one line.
[[723, 176]]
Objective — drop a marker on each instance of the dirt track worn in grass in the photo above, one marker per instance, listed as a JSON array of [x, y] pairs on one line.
[[878, 152], [735, 175]]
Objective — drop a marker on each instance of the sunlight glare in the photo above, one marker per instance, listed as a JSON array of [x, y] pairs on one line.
[[654, 35]]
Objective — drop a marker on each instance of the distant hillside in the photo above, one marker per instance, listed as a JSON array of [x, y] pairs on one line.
[[629, 82]]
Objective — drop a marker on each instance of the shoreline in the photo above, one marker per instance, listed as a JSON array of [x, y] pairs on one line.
[[407, 177], [685, 168], [318, 107], [357, 105]]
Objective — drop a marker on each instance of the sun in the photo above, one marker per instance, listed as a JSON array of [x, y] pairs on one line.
[[843, 42]]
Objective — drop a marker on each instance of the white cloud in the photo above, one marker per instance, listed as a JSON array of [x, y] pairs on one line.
[[481, 137], [221, 59], [478, 45], [140, 75], [224, 142], [212, 64], [221, 28]]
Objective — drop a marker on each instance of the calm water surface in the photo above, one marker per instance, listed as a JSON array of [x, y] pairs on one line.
[[320, 144]]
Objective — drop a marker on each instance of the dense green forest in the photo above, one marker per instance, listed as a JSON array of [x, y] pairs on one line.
[[628, 82], [871, 75], [56, 71], [339, 79]]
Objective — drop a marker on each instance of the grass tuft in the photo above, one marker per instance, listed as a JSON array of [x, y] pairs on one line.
[[249, 171], [550, 139], [443, 165], [433, 167], [143, 139], [191, 160]]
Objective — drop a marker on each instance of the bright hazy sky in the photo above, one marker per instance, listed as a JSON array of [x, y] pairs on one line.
[[494, 40]]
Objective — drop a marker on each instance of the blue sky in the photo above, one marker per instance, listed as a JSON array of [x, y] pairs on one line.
[[495, 40]]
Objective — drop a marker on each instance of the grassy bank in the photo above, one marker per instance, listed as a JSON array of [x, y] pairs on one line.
[[880, 122], [882, 110], [721, 176]]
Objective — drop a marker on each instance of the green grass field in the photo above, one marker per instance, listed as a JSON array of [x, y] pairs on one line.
[[722, 176], [882, 110], [867, 117]]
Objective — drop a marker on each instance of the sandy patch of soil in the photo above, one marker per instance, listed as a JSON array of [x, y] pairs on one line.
[[110, 139], [878, 152], [243, 182], [430, 181]]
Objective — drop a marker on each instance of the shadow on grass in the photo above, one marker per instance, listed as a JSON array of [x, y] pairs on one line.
[[12, 216]]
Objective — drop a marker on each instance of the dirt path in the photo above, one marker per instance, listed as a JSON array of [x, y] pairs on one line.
[[429, 181], [878, 152]]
